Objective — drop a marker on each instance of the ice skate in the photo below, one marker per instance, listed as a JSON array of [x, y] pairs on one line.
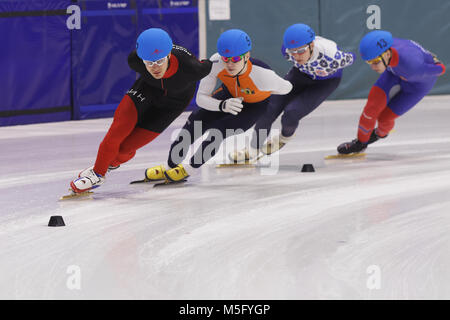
[[152, 174], [177, 174], [72, 194], [375, 137], [111, 168], [87, 180], [355, 146], [245, 155], [352, 149], [274, 144], [155, 173]]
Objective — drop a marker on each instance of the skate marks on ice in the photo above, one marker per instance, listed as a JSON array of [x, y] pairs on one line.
[[286, 236], [306, 233], [407, 249]]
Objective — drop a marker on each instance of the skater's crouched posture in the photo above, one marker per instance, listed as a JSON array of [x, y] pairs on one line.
[[247, 84], [408, 73], [168, 76], [315, 75]]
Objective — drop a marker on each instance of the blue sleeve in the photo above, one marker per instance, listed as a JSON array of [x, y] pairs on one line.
[[416, 68], [344, 59], [427, 70]]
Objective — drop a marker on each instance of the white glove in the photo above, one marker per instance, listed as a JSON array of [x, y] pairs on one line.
[[232, 105]]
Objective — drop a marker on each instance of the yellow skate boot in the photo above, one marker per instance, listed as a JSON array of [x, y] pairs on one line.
[[155, 173], [176, 174]]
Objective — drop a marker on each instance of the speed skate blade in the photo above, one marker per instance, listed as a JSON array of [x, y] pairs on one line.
[[346, 156], [145, 181], [245, 164], [169, 183], [236, 165], [74, 195]]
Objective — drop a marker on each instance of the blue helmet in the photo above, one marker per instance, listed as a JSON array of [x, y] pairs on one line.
[[298, 35], [375, 43], [233, 42], [153, 44]]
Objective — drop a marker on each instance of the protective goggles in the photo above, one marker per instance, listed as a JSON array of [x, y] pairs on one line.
[[233, 59], [375, 61], [157, 62], [298, 50]]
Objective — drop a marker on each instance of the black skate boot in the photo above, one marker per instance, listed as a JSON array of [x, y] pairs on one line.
[[374, 137], [355, 146], [110, 168]]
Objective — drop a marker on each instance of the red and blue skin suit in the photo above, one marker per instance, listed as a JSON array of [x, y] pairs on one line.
[[413, 71]]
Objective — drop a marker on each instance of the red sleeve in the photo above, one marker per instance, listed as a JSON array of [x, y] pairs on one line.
[[443, 68], [376, 102]]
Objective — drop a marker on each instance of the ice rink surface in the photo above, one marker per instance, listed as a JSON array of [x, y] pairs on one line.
[[371, 228]]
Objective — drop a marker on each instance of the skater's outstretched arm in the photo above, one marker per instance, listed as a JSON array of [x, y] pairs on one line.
[[376, 103]]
